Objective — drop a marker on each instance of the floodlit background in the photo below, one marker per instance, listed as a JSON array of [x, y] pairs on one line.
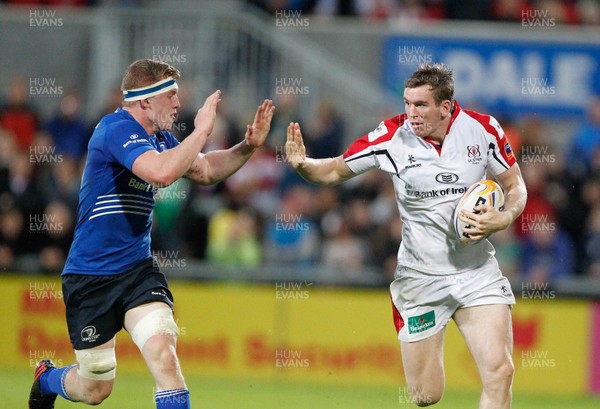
[[280, 286]]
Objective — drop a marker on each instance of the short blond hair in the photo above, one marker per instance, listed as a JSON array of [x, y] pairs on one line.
[[145, 72]]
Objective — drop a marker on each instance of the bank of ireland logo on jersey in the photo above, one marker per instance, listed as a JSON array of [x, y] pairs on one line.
[[88, 334], [473, 154], [421, 322]]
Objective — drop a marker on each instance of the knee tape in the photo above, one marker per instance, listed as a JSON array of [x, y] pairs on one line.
[[156, 322], [97, 364]]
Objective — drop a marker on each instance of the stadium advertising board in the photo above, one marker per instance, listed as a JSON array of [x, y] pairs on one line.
[[300, 332], [501, 76]]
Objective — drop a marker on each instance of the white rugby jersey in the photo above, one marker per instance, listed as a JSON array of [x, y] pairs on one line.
[[429, 180]]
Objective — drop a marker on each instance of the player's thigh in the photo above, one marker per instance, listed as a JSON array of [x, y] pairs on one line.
[[423, 361], [153, 329], [487, 330], [135, 314]]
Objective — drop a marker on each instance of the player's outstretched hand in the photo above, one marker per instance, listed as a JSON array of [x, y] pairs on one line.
[[205, 117], [295, 151], [258, 131]]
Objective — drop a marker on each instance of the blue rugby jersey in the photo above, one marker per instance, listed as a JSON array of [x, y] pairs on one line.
[[114, 215]]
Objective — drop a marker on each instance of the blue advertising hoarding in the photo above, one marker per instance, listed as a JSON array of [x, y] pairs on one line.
[[504, 77]]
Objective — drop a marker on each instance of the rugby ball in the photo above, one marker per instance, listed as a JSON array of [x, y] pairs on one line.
[[485, 192]]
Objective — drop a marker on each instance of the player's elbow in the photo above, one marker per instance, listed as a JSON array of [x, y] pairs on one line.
[[162, 178]]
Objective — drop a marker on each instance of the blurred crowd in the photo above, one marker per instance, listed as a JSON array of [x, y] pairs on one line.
[[571, 12], [266, 215]]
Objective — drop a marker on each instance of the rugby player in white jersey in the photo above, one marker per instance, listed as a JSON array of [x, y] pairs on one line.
[[433, 153]]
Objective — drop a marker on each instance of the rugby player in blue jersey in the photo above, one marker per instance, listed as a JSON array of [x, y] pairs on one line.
[[110, 281]]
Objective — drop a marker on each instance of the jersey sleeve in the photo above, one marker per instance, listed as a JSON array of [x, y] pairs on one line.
[[170, 139], [364, 154], [500, 154], [125, 143]]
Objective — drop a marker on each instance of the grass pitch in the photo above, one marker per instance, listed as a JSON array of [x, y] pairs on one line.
[[136, 392]]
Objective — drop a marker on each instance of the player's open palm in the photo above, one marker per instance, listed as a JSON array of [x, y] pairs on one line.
[[206, 116], [256, 133], [294, 146]]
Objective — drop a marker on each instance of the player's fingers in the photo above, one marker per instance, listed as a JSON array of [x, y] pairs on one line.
[[483, 208], [467, 216], [211, 102], [290, 133], [298, 133], [477, 237]]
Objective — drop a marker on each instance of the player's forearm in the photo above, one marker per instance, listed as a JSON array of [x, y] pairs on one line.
[[174, 163], [514, 201], [221, 164], [320, 171]]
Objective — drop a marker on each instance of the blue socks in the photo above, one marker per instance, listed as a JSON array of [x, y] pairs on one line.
[[53, 381], [173, 399]]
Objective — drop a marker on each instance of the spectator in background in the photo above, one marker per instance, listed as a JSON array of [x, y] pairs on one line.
[[411, 12], [559, 11], [13, 233], [17, 116], [384, 246], [326, 133], [233, 238], [64, 184], [585, 141], [590, 194], [589, 10], [343, 251], [291, 235], [287, 110], [592, 243], [548, 253], [509, 10], [23, 186], [467, 10], [508, 252], [58, 234], [69, 132], [344, 8]]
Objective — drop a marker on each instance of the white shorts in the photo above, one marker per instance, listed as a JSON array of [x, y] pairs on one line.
[[424, 303]]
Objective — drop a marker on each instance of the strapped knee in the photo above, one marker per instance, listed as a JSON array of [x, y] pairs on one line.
[[97, 364], [156, 322]]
